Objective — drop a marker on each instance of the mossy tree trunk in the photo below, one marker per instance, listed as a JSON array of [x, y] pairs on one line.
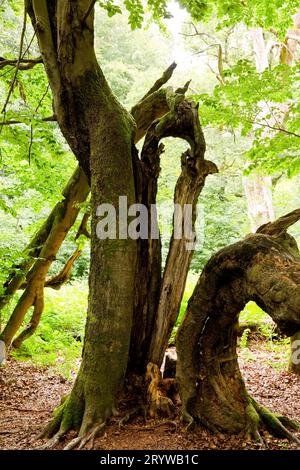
[[31, 272], [100, 132], [77, 186], [159, 294], [262, 268]]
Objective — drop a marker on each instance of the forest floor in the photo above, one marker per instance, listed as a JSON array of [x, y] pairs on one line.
[[29, 393]]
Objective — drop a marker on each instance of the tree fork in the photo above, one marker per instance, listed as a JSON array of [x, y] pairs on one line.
[[152, 106], [158, 298]]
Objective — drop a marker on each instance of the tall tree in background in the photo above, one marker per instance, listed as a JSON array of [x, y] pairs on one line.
[[269, 118]]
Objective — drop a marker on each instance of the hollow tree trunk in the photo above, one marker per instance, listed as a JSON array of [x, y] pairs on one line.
[[258, 191], [260, 268], [159, 297]]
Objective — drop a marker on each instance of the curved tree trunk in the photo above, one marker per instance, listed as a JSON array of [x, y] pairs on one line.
[[261, 268], [59, 223], [76, 185]]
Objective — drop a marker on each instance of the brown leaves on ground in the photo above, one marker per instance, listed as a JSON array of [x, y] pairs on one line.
[[29, 393]]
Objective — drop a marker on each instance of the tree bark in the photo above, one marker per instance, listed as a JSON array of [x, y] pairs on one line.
[[149, 108], [262, 268], [158, 297]]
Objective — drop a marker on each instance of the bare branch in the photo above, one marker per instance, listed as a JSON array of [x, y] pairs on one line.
[[162, 80], [279, 129], [24, 64], [17, 63]]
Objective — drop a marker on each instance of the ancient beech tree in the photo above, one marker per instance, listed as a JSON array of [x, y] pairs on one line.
[[133, 305], [265, 268], [122, 315]]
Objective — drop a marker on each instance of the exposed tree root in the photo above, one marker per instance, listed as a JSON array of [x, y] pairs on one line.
[[159, 404], [81, 441], [275, 424], [140, 410]]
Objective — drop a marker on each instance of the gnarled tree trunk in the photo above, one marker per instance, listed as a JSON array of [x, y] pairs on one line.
[[262, 268]]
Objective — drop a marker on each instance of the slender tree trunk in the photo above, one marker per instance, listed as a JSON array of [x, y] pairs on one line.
[[60, 221]]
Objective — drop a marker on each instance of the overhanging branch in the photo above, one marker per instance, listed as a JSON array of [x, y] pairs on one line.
[[24, 64]]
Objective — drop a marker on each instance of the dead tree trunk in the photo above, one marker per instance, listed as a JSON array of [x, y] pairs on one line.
[[158, 296], [262, 268]]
